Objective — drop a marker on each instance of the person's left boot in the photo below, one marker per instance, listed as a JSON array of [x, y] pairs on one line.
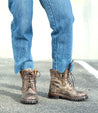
[[62, 87]]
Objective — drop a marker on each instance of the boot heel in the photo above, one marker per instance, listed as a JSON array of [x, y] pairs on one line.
[[53, 96]]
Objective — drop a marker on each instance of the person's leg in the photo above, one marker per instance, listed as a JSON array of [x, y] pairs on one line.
[[22, 33], [21, 42], [61, 21]]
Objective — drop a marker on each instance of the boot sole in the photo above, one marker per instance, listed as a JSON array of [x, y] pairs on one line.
[[28, 102], [59, 96]]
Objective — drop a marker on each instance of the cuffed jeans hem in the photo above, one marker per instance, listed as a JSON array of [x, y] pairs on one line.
[[19, 68], [61, 67]]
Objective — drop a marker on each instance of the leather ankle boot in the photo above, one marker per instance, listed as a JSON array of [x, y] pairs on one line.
[[29, 95], [62, 87]]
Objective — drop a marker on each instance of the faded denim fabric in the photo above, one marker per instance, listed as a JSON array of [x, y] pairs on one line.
[[61, 20]]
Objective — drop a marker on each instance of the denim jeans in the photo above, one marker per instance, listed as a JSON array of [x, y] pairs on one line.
[[59, 13]]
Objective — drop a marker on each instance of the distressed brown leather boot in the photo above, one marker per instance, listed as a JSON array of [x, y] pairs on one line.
[[62, 87], [29, 95]]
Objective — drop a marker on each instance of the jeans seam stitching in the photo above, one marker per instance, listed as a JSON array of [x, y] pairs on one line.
[[52, 12]]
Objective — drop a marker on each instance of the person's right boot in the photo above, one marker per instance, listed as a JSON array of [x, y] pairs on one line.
[[62, 87], [29, 95]]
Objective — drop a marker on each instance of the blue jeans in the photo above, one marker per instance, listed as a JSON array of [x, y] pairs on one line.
[[61, 20]]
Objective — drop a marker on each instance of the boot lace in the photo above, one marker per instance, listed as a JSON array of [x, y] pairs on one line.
[[70, 78], [30, 79]]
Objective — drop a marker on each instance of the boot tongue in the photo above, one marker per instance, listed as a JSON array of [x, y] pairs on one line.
[[70, 66], [67, 71], [65, 74]]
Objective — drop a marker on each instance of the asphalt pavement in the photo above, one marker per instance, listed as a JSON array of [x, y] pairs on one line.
[[10, 90]]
